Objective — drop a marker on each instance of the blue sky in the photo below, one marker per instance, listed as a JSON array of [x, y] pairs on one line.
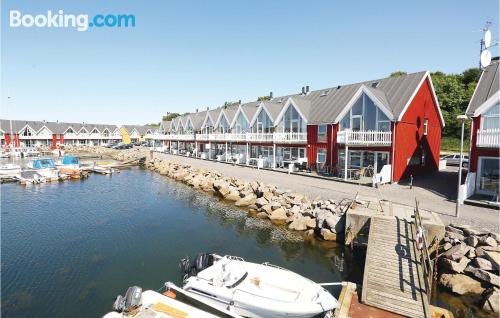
[[184, 55]]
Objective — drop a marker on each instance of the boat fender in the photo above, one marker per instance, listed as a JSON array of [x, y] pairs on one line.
[[420, 238]]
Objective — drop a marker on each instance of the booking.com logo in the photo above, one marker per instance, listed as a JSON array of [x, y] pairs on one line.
[[80, 22]]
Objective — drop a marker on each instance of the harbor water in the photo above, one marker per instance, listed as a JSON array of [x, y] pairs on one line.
[[69, 248]]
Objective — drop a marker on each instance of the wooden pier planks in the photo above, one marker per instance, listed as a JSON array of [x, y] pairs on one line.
[[393, 278]]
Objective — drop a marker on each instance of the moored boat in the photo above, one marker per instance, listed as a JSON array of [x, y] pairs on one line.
[[46, 168], [10, 169], [149, 303], [70, 165], [254, 290]]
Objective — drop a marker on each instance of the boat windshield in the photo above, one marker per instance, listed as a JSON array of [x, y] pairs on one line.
[[70, 160], [43, 163]]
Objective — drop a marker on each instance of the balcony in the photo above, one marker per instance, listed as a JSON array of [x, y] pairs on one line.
[[489, 138], [364, 138], [290, 137]]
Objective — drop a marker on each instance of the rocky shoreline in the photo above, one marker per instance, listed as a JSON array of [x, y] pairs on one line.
[[467, 259], [323, 219], [468, 264]]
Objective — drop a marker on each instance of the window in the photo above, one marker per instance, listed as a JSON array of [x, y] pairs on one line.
[[355, 159], [263, 123], [241, 125], [208, 128], [488, 175], [224, 125], [292, 121], [321, 157], [491, 118], [322, 133], [426, 126], [27, 132], [365, 116], [94, 131], [106, 133]]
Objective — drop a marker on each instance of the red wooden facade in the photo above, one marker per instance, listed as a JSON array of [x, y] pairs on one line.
[[414, 151]]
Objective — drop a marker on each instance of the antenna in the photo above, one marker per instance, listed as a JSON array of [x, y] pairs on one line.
[[484, 53]]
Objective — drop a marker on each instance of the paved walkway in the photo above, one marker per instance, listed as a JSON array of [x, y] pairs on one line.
[[435, 193]]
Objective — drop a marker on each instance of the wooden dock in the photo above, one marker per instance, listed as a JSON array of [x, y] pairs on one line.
[[393, 277]]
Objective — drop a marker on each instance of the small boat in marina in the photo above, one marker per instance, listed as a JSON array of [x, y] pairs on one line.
[[10, 169], [4, 155], [46, 168], [254, 290], [165, 303]]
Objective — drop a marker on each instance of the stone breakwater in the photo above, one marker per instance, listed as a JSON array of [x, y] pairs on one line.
[[469, 263], [320, 218]]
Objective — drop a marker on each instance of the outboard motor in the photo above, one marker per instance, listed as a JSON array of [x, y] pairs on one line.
[[202, 261], [131, 301]]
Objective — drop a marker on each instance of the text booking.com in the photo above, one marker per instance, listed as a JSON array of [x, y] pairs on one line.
[[79, 22]]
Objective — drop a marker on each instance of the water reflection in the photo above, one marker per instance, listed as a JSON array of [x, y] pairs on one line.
[[69, 248]]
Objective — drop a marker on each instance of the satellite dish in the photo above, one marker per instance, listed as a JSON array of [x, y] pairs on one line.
[[487, 38], [485, 58]]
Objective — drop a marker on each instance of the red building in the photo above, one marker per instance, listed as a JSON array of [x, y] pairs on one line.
[[388, 128], [484, 109]]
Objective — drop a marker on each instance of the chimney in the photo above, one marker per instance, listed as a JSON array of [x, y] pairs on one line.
[[196, 109], [270, 95], [239, 101], [303, 90], [208, 108], [307, 89]]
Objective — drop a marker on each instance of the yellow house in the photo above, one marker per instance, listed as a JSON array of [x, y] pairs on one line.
[[134, 133]]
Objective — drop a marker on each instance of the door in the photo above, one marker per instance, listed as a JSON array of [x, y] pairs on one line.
[[382, 160]]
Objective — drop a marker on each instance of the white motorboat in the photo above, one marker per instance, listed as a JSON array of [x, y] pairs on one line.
[[255, 290], [10, 169], [163, 304], [46, 168], [4, 155]]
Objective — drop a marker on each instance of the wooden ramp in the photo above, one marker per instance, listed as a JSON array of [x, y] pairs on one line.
[[393, 277]]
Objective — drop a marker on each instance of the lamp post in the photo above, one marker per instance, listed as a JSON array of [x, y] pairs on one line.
[[462, 119]]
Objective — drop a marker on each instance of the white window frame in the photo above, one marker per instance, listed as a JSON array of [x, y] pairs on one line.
[[478, 175], [324, 151], [426, 126], [325, 134], [483, 116]]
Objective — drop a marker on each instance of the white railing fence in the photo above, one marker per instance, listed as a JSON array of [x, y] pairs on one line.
[[364, 137], [488, 138]]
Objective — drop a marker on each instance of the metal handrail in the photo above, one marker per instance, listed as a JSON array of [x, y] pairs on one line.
[[425, 258]]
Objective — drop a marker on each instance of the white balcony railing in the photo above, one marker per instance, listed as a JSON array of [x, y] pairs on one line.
[[488, 138], [290, 137], [372, 138], [260, 137]]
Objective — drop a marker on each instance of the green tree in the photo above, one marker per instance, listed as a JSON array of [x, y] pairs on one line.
[[170, 116], [263, 98], [398, 73], [454, 92]]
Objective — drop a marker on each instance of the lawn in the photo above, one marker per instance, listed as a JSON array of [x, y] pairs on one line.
[[452, 144]]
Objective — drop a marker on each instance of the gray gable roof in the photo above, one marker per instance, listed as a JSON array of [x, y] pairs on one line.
[[165, 125], [230, 112], [488, 85], [214, 114], [326, 104], [274, 108], [197, 119], [250, 109]]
